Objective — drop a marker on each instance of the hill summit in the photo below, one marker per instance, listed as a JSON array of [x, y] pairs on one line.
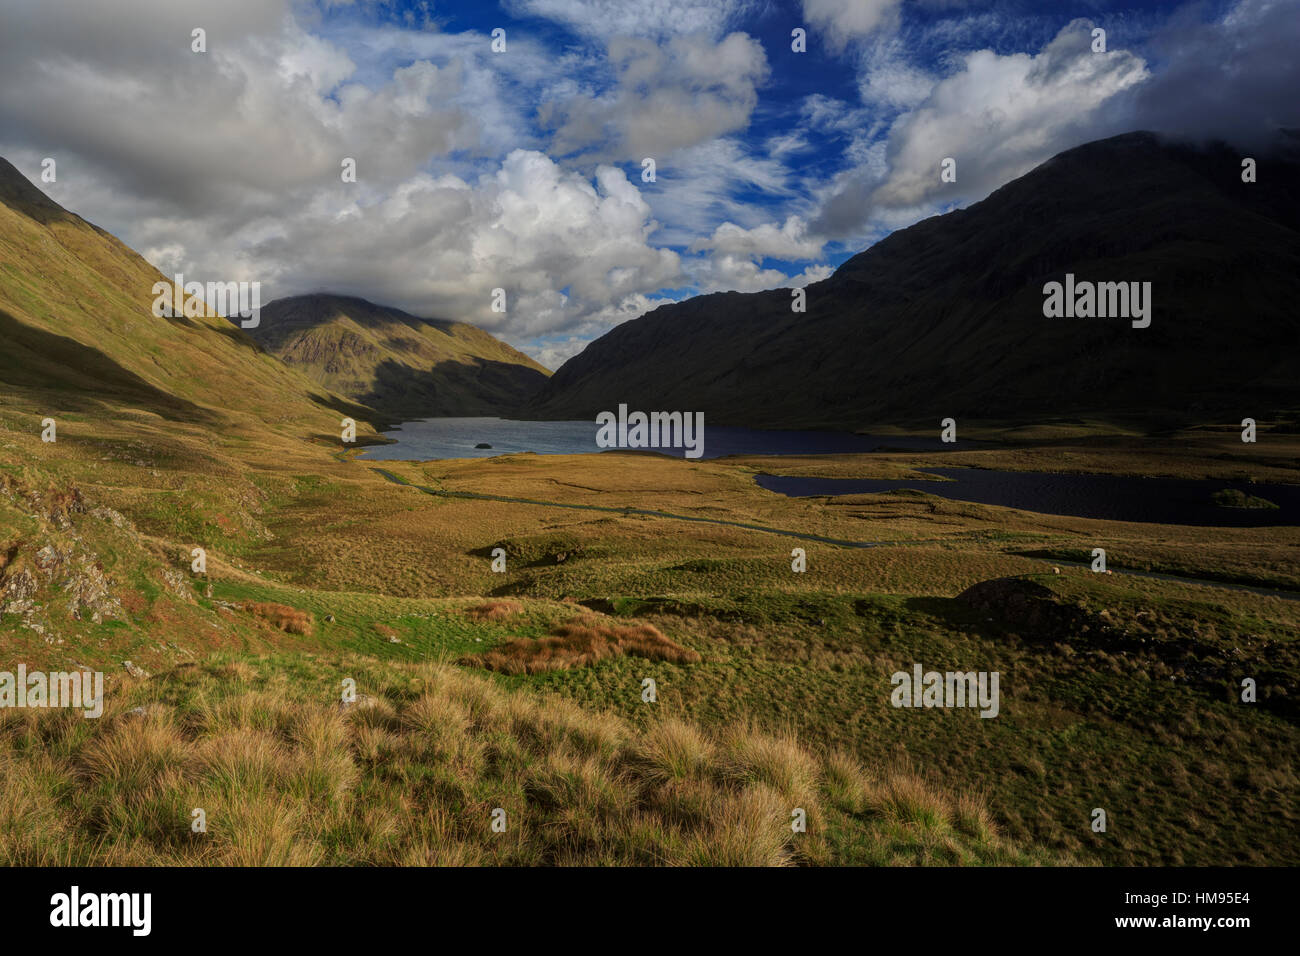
[[403, 366]]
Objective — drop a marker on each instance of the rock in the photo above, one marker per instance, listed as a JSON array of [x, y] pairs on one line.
[[20, 588], [114, 518], [482, 444], [135, 671], [329, 618], [177, 584], [88, 590], [1001, 593]]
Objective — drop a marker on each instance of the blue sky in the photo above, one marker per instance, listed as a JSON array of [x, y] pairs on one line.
[[522, 169]]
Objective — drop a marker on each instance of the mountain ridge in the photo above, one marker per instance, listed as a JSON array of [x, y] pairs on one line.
[[944, 318], [403, 365], [78, 328]]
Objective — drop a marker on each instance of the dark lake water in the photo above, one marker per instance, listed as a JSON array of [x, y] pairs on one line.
[[1159, 500], [456, 438]]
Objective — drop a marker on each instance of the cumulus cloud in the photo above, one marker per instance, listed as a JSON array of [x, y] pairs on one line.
[[554, 354], [998, 117], [226, 165], [841, 22], [570, 252], [732, 273], [266, 109], [788, 241], [668, 96], [726, 272]]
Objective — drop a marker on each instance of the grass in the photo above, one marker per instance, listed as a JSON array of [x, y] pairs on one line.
[[288, 619], [1234, 498], [285, 775], [581, 643], [1146, 725], [397, 577]]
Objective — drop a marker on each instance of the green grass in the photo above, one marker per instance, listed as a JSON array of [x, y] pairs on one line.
[[414, 772], [1233, 498]]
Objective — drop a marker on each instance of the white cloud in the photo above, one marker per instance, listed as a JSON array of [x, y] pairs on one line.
[[569, 252], [998, 117], [695, 190], [810, 275], [789, 241], [842, 21], [226, 165], [668, 96], [888, 79], [654, 19], [732, 273], [737, 272], [554, 354], [269, 108]]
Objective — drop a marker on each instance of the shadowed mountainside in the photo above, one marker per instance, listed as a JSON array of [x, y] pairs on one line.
[[77, 328], [945, 318], [404, 366]]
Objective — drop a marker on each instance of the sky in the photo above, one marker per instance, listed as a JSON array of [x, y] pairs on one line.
[[523, 168]]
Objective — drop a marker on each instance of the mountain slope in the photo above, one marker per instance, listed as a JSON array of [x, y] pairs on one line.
[[170, 432], [77, 332], [404, 366], [945, 318]]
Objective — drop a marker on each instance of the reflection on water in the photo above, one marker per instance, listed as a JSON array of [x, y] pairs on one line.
[[457, 438], [1115, 497]]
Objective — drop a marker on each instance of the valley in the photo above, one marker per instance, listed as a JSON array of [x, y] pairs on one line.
[[673, 660], [1117, 690]]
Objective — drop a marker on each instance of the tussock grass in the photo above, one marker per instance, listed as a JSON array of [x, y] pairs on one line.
[[580, 643], [288, 619], [285, 777], [494, 610]]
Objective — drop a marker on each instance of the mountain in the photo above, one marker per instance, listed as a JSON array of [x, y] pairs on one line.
[[78, 334], [403, 366], [946, 318]]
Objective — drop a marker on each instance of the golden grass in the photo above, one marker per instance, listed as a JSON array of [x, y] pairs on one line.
[[580, 643], [287, 619], [494, 610], [284, 778]]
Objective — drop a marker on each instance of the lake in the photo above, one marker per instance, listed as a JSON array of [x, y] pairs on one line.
[[1159, 500], [456, 437], [1119, 498]]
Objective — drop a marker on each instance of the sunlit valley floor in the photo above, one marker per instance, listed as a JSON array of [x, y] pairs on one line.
[[523, 689]]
